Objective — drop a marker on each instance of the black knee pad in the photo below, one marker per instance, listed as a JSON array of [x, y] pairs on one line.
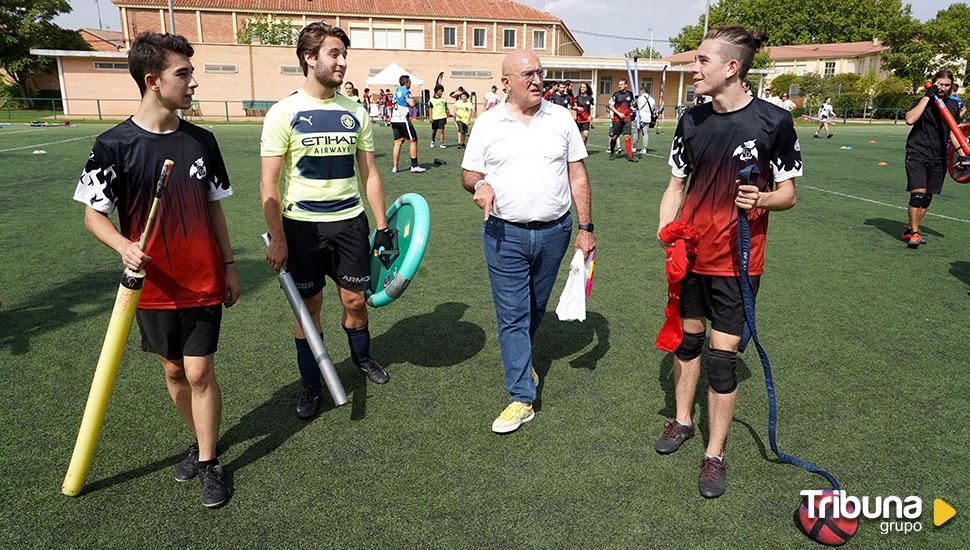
[[690, 346], [916, 200], [722, 370], [927, 199]]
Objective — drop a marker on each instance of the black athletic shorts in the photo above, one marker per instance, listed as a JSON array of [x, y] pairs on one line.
[[175, 333], [620, 127], [438, 124], [339, 250], [924, 174], [716, 298], [462, 127], [583, 126], [404, 130]]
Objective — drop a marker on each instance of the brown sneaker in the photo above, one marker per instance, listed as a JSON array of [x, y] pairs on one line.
[[673, 437]]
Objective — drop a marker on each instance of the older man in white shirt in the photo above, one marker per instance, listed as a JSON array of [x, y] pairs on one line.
[[524, 164]]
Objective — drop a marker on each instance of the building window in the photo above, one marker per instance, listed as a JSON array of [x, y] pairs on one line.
[[508, 38], [478, 38], [689, 98], [110, 66], [211, 68], [647, 83], [538, 40], [451, 36], [389, 38], [413, 39], [606, 85], [829, 68], [471, 74], [360, 37], [291, 70]]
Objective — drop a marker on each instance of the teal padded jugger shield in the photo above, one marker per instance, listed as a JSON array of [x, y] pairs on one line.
[[409, 219]]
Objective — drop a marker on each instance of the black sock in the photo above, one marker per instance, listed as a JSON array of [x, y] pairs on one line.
[[414, 161], [359, 340], [307, 363]]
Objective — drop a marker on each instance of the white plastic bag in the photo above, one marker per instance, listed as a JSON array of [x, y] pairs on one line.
[[572, 302]]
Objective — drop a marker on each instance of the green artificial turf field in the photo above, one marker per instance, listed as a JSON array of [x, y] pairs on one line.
[[869, 342]]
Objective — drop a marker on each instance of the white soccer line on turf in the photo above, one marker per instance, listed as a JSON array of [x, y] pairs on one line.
[[846, 195], [12, 132], [48, 143]]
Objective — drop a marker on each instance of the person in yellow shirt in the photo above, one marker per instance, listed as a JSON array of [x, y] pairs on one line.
[[320, 146], [463, 115], [439, 114]]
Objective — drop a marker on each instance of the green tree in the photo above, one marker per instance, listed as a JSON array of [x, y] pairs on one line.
[[917, 50], [783, 83], [263, 30], [806, 22], [644, 53], [28, 24]]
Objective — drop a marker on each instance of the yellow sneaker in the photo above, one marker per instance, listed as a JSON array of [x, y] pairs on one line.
[[516, 414]]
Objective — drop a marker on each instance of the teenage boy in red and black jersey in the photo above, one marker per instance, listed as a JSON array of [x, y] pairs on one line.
[[190, 269], [713, 142], [621, 105], [583, 107], [926, 152]]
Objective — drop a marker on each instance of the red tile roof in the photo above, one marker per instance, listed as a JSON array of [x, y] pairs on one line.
[[492, 10], [102, 40], [804, 51]]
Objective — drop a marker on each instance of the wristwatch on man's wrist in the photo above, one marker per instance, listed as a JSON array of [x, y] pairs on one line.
[[586, 227], [478, 184]]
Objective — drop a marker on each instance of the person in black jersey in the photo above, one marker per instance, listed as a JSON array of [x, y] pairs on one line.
[[560, 96], [621, 106], [189, 266], [584, 110], [713, 142], [926, 152]]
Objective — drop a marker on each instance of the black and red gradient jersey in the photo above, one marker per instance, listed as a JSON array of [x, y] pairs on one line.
[[623, 102], [186, 268], [584, 104], [711, 148]]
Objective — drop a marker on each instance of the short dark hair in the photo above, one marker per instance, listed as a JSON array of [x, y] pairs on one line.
[[743, 43], [312, 37], [943, 73], [149, 54], [403, 78], [439, 88]]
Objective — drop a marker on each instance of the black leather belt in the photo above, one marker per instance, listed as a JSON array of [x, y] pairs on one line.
[[535, 225]]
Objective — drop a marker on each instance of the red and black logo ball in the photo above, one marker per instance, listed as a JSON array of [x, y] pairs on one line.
[[832, 531]]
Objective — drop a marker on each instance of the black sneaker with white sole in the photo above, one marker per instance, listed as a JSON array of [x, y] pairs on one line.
[[215, 490], [713, 477], [374, 371], [309, 403], [188, 467]]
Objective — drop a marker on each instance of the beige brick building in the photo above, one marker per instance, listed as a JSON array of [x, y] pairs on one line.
[[467, 40]]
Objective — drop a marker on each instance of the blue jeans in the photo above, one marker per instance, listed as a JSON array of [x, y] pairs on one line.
[[522, 267]]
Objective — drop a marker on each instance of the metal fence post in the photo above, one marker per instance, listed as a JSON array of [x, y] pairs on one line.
[[98, 101], [226, 103], [54, 109]]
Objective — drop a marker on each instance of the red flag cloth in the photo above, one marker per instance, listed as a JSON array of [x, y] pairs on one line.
[[680, 255]]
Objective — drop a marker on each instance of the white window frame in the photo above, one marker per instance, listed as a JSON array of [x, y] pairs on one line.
[[505, 35], [689, 95], [825, 70], [538, 33], [484, 37], [608, 82], [444, 37]]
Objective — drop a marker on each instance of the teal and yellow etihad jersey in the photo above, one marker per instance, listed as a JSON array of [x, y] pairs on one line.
[[318, 140]]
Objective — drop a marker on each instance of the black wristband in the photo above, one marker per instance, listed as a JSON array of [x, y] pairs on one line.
[[586, 227], [230, 262]]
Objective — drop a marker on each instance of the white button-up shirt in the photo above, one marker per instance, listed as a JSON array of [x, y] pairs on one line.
[[526, 165]]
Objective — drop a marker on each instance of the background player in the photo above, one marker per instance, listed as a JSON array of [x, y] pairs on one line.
[[323, 145], [621, 105], [439, 114], [189, 264], [824, 112], [584, 108], [463, 115], [401, 125]]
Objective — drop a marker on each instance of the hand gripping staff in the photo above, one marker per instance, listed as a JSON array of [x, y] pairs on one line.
[[126, 302], [313, 338], [959, 173]]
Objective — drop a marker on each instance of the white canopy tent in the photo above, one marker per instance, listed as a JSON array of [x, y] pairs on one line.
[[390, 76]]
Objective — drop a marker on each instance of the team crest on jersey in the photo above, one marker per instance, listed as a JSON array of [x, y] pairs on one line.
[[348, 122], [746, 151], [198, 169]]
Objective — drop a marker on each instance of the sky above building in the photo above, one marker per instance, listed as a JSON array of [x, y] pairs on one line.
[[587, 19]]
